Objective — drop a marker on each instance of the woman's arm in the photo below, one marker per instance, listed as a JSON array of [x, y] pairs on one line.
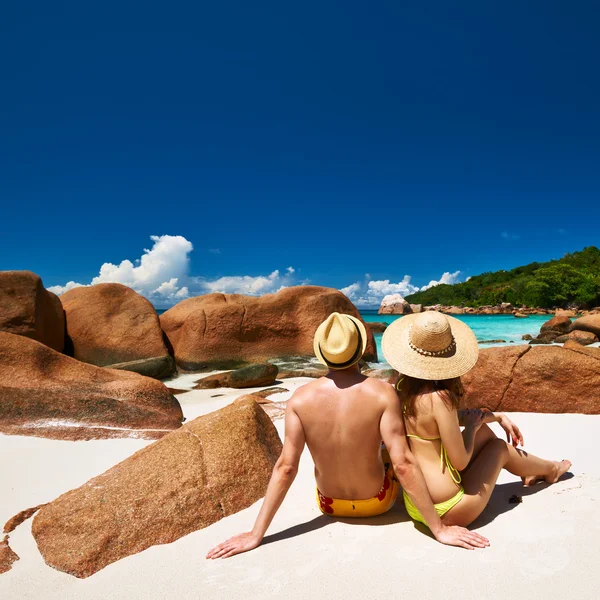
[[513, 433], [459, 446]]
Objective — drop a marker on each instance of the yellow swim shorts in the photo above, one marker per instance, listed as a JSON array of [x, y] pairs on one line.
[[371, 507]]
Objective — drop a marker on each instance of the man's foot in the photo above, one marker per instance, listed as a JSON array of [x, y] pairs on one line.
[[560, 468]]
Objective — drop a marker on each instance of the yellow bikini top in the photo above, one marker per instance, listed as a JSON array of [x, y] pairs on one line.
[[454, 473], [443, 457]]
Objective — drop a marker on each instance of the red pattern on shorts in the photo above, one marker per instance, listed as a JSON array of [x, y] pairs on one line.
[[384, 489], [325, 503]]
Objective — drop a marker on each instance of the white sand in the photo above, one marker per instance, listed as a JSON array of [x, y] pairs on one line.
[[546, 547]]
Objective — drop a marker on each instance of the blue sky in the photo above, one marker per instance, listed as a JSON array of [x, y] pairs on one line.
[[354, 143]]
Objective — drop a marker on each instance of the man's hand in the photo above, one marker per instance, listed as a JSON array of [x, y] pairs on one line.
[[459, 536], [513, 433], [235, 545]]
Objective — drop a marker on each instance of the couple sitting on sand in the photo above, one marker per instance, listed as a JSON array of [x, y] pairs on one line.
[[447, 477]]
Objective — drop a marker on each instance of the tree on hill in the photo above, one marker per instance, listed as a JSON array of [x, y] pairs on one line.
[[573, 279]]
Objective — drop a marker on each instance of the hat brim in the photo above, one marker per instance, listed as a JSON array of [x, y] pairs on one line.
[[399, 354], [363, 337]]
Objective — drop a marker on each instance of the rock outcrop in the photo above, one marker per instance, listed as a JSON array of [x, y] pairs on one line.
[[224, 331], [212, 467], [550, 379], [245, 377], [377, 327], [394, 304], [589, 323], [47, 394], [560, 324], [28, 309], [7, 556], [110, 325], [581, 337]]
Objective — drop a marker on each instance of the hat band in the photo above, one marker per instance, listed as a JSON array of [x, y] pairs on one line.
[[352, 360], [448, 348]]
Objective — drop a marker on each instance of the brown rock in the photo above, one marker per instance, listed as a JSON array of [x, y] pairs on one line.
[[264, 394], [416, 308], [486, 383], [377, 327], [581, 337], [15, 521], [111, 325], [527, 336], [394, 304], [572, 345], [290, 372], [212, 467], [520, 315], [47, 394], [245, 377], [7, 556], [453, 310], [565, 313], [589, 323], [228, 330], [560, 324], [387, 375], [27, 309], [536, 379]]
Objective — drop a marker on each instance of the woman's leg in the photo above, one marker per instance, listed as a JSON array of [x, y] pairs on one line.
[[482, 473], [478, 480], [482, 437]]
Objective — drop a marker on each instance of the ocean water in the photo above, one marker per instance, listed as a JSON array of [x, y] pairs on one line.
[[485, 327]]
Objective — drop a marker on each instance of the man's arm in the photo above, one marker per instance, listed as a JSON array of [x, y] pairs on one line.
[[282, 477], [411, 478]]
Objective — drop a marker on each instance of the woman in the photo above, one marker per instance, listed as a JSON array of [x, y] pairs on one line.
[[432, 351]]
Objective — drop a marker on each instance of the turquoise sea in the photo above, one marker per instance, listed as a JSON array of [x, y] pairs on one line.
[[485, 327]]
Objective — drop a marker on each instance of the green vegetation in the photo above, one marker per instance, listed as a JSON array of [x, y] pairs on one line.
[[572, 280]]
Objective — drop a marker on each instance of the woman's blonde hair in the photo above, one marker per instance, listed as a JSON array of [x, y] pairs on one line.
[[410, 388]]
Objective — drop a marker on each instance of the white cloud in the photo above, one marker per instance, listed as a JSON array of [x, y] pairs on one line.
[[157, 274], [448, 278], [162, 275], [245, 284], [371, 293], [510, 236], [61, 289]]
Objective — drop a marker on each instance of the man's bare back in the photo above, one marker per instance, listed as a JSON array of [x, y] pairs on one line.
[[341, 415]]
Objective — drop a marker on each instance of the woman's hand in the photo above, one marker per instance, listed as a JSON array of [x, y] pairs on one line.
[[235, 545], [513, 433], [473, 418]]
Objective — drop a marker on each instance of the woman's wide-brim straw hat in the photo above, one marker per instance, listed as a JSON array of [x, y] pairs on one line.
[[430, 345], [340, 341]]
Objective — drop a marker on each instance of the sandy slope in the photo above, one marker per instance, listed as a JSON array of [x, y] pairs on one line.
[[546, 547]]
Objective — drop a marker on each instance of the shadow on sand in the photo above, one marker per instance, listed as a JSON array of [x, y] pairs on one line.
[[499, 504]]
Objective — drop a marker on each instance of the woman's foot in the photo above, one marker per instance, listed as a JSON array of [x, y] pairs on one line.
[[559, 469]]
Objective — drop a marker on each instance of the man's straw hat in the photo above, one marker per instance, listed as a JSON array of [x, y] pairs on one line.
[[340, 341], [430, 345]]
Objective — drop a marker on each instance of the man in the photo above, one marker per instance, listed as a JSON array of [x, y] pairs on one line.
[[343, 417]]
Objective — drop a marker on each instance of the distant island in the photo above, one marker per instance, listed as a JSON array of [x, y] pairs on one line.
[[572, 281]]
